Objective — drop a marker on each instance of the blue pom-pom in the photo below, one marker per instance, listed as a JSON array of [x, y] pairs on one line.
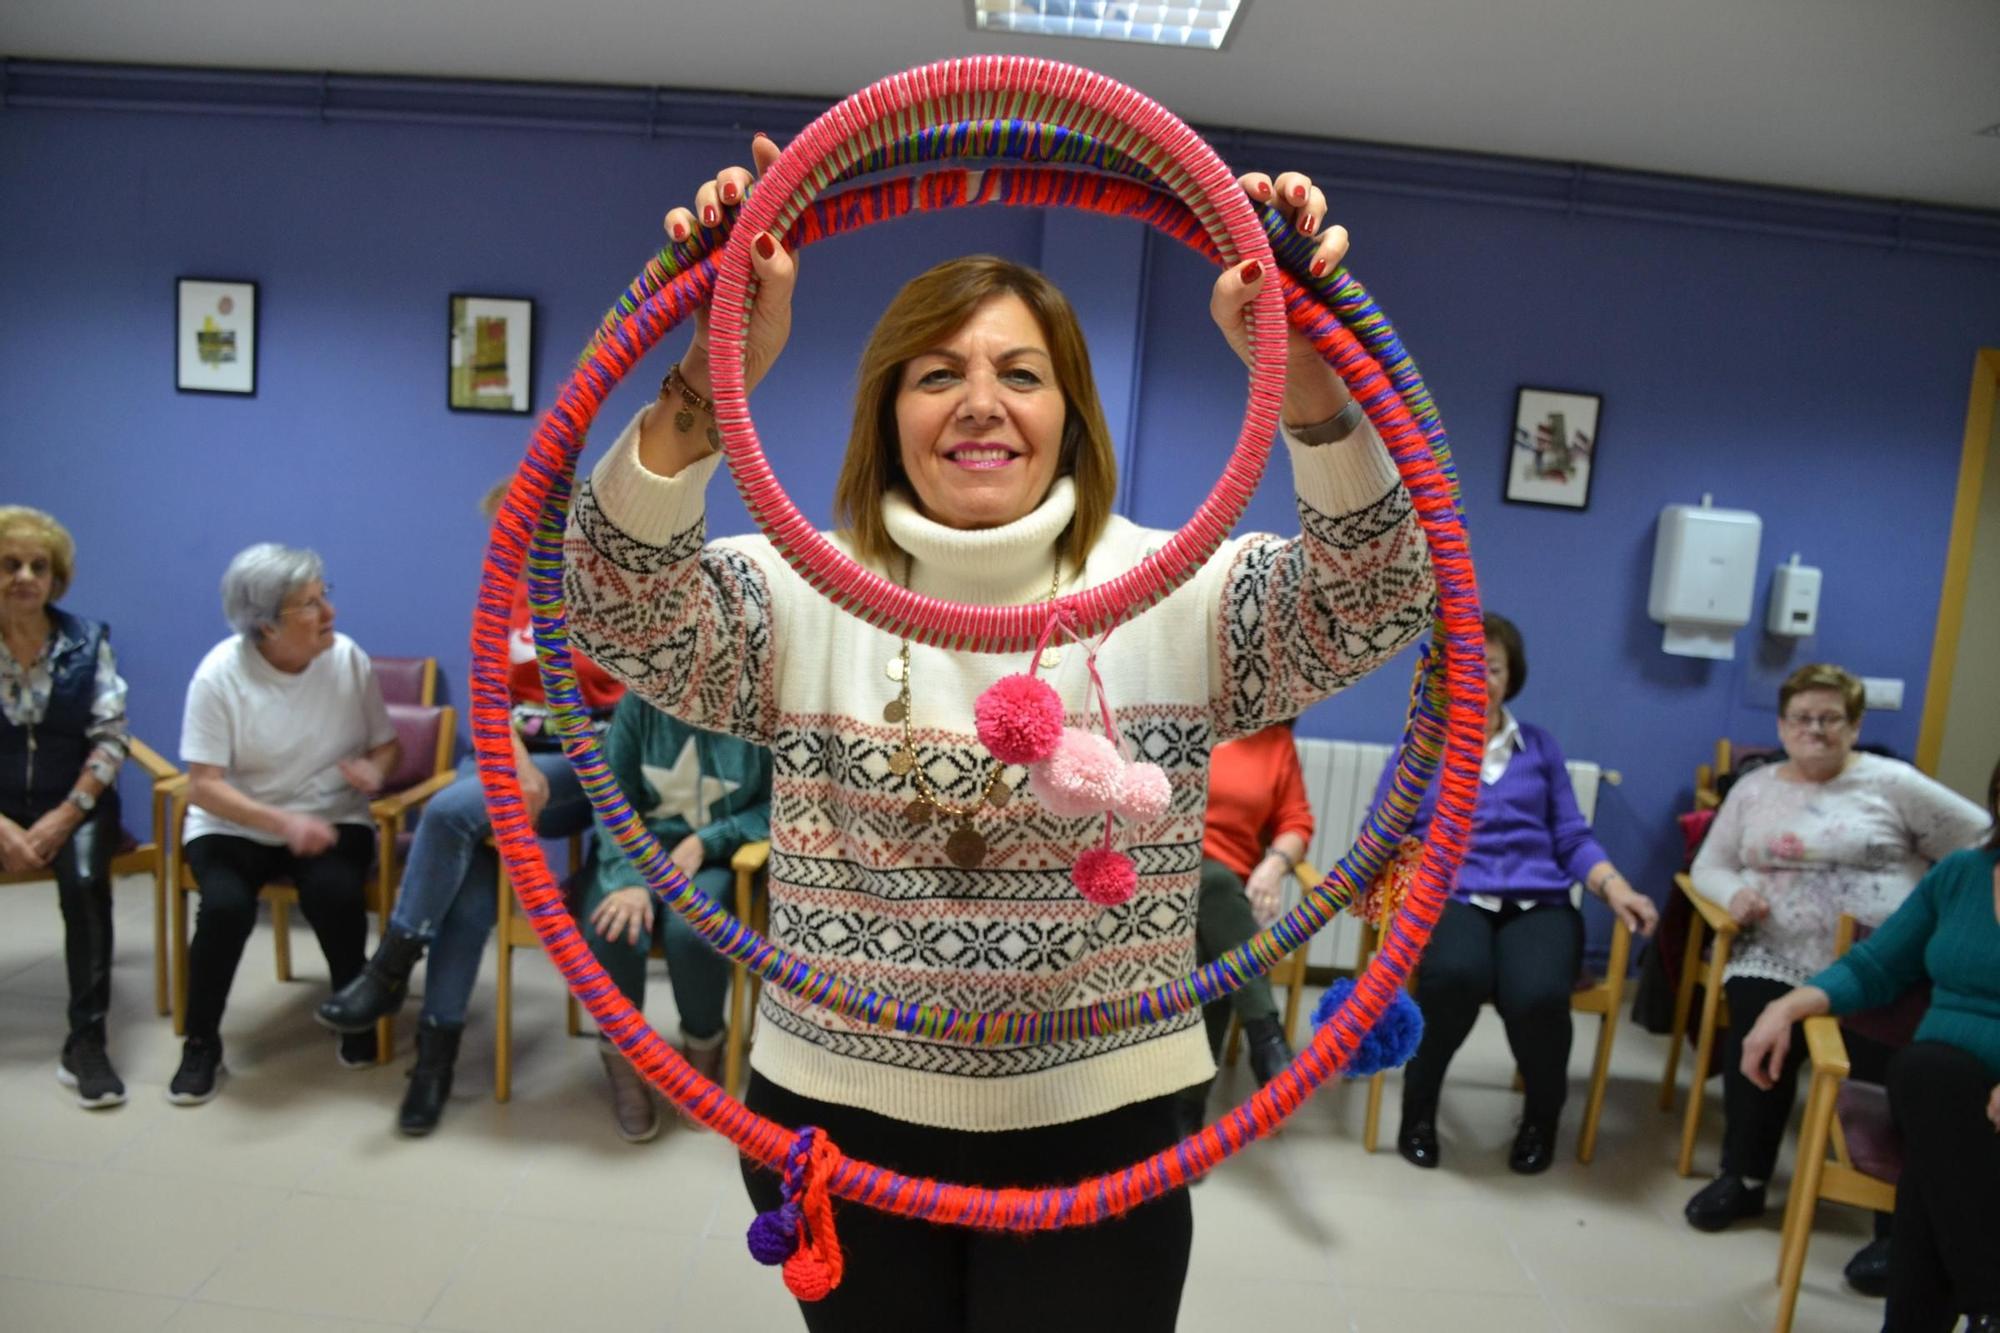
[[774, 1236], [1391, 1042]]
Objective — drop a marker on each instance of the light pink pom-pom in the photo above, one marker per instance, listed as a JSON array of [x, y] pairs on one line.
[[1020, 719], [1143, 793], [1080, 778], [1105, 877]]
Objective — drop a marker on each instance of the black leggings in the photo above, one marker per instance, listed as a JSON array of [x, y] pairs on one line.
[[232, 871], [905, 1276], [1525, 961], [1753, 1119], [1946, 1259], [82, 870]]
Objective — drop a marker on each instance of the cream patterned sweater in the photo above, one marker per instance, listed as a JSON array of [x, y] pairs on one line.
[[725, 635]]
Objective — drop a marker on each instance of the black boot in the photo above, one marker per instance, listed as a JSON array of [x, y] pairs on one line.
[[1270, 1053], [430, 1078], [379, 990]]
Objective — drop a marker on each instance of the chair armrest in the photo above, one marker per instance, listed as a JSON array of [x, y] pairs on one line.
[[397, 804], [158, 769], [1715, 918], [751, 857], [1825, 1047], [1620, 961]]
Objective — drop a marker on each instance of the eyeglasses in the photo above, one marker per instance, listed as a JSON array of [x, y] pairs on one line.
[[312, 605], [1816, 721]]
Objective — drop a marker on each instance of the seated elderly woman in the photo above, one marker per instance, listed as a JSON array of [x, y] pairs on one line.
[[1944, 1088], [1797, 844], [285, 737], [61, 743], [1510, 933], [904, 852]]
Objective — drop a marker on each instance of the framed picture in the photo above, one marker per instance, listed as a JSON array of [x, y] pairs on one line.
[[1554, 450], [492, 353], [215, 336]]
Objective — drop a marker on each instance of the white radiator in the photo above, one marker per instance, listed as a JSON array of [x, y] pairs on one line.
[[1340, 784]]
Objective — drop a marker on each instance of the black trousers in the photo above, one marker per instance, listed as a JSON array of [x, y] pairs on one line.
[[1754, 1120], [1525, 961], [1946, 1259], [232, 870], [905, 1276], [82, 869]]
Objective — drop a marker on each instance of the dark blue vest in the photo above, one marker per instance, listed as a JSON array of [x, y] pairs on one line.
[[39, 764]]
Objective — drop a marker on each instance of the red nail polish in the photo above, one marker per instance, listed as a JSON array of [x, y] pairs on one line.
[[1319, 268], [1298, 194], [729, 194], [766, 247], [709, 216], [680, 233], [1252, 271]]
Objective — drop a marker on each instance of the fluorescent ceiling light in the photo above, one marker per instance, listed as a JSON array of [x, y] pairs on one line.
[[1202, 24]]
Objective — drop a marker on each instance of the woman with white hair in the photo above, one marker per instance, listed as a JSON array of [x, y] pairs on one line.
[[285, 736]]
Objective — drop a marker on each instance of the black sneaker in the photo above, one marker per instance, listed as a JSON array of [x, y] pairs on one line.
[[1724, 1200], [357, 1049], [86, 1068], [201, 1068]]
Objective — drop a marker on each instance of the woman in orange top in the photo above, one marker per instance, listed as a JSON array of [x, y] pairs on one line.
[[1258, 825]]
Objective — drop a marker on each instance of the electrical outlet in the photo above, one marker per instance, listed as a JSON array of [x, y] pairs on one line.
[[1884, 695]]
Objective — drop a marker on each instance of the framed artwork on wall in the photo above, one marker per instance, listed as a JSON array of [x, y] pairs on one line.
[[1553, 452], [492, 353], [215, 336]]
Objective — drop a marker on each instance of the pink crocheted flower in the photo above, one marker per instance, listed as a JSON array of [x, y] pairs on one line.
[[1143, 793], [1081, 778], [1105, 877], [1020, 719]]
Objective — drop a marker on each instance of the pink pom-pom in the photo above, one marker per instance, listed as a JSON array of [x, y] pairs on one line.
[[1020, 719], [808, 1276], [1143, 793], [1105, 877], [1080, 778]]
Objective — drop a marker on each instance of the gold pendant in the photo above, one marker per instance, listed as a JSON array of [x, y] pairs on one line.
[[901, 762], [998, 793], [895, 668], [684, 420], [1051, 658], [895, 711], [918, 812], [965, 847]]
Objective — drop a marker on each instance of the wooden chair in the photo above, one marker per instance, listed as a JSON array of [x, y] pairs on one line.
[[140, 858], [1719, 929], [753, 905], [1290, 972], [425, 769], [514, 931], [1850, 1117], [1603, 996], [407, 680]]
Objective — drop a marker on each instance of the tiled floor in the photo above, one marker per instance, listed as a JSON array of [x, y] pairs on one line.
[[290, 1203]]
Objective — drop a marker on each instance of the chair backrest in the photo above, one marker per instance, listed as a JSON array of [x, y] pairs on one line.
[[406, 680], [1894, 1025], [425, 733]]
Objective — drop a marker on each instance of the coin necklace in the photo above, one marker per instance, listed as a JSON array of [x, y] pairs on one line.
[[965, 846]]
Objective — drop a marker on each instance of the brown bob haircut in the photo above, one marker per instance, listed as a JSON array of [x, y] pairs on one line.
[[1502, 631], [930, 308], [1824, 676]]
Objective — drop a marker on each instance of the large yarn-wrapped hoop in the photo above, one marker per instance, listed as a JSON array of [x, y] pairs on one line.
[[1342, 322]]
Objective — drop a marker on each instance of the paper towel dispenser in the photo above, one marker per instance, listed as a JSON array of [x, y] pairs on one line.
[[1704, 577]]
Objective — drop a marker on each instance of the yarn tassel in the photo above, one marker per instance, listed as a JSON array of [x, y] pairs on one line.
[[799, 1232]]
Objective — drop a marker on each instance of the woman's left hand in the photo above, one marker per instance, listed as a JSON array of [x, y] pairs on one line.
[[48, 834], [1265, 888], [362, 774], [1313, 392], [1634, 908], [1993, 1108]]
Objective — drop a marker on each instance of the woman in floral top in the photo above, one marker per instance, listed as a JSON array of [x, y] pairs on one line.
[[1797, 844], [61, 743]]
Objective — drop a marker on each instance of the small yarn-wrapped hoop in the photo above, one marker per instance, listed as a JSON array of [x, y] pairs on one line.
[[953, 90], [1392, 398]]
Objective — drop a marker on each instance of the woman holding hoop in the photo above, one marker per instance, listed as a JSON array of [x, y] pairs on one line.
[[979, 470]]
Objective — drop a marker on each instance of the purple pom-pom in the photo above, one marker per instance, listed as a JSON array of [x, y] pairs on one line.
[[1019, 719], [1391, 1042], [774, 1236]]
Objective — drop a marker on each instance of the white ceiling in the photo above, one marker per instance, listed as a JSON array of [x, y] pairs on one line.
[[1874, 97]]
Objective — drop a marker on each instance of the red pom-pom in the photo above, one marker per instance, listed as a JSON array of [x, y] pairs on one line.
[[1143, 792], [808, 1276], [1105, 877], [1020, 719]]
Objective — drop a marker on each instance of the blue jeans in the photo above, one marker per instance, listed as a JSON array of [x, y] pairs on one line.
[[452, 876], [698, 974]]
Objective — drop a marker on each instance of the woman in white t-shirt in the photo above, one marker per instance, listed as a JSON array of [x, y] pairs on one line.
[[285, 736]]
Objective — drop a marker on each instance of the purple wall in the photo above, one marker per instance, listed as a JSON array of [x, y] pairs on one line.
[[1819, 382]]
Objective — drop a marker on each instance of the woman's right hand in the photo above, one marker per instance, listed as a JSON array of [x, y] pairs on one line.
[[308, 835], [1748, 907], [626, 914], [1767, 1045], [1993, 1108], [17, 854], [776, 270]]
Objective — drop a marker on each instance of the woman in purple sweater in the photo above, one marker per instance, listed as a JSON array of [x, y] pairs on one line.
[[1510, 933]]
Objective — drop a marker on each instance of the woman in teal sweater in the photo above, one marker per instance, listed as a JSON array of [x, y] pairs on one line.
[[1944, 1088]]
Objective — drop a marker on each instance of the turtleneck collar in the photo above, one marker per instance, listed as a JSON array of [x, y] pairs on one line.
[[999, 566]]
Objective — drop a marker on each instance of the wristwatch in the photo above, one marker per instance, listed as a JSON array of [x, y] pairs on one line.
[[82, 800]]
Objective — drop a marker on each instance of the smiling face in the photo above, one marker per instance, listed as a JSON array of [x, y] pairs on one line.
[[979, 419]]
